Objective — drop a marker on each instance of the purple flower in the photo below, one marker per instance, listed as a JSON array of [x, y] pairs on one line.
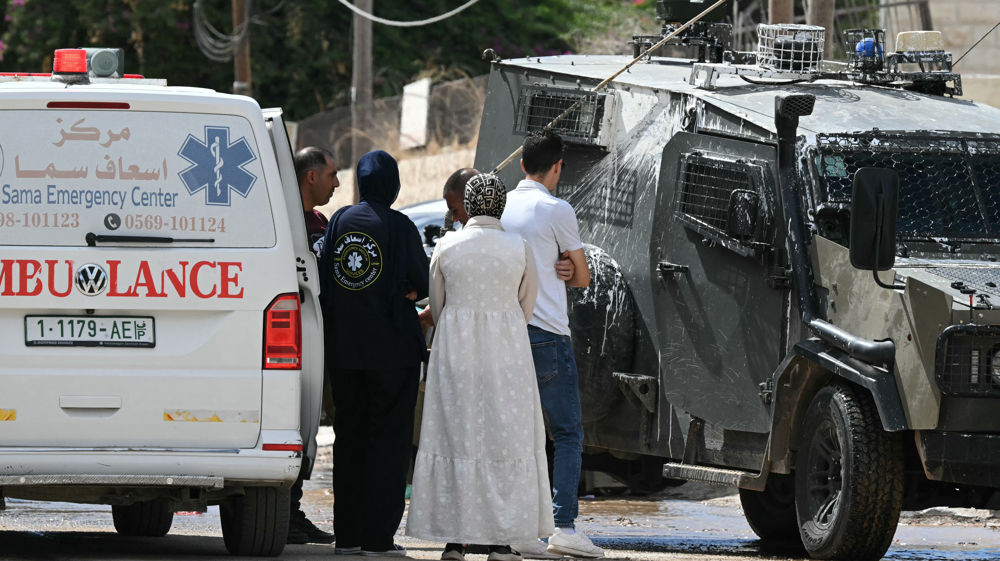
[[16, 3], [183, 26], [7, 18]]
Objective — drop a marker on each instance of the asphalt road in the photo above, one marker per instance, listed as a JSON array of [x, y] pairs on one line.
[[692, 522]]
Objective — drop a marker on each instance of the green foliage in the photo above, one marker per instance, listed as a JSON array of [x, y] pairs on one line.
[[301, 54], [156, 36]]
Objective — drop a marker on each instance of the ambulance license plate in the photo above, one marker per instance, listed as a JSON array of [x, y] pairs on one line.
[[89, 331]]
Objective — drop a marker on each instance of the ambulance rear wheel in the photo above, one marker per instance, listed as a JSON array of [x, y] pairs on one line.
[[256, 524], [149, 519], [771, 512], [849, 477]]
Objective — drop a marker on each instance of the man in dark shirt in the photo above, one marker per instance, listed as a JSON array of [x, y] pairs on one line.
[[317, 176], [373, 267]]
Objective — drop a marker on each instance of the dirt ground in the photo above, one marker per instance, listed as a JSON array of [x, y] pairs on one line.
[[694, 522]]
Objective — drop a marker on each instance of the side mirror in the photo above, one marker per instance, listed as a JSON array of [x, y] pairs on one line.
[[743, 207], [874, 211]]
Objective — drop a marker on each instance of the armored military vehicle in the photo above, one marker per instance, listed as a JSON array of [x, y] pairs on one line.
[[735, 206]]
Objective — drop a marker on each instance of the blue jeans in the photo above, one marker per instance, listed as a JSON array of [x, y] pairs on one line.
[[555, 368]]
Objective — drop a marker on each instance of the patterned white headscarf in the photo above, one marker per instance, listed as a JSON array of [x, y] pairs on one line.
[[485, 195]]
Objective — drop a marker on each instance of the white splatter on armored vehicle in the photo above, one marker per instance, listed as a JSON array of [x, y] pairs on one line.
[[735, 207]]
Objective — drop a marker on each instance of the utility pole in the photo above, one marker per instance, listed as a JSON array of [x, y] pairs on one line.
[[820, 14], [361, 92], [242, 84], [781, 11], [926, 21]]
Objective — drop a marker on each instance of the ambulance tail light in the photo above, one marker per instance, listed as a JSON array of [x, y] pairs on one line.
[[283, 334], [70, 61]]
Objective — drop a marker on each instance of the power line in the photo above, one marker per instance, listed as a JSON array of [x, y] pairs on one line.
[[977, 44], [392, 23], [219, 46]]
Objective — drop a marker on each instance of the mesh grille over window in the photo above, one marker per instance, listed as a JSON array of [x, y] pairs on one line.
[[706, 186], [709, 189], [949, 187], [538, 106]]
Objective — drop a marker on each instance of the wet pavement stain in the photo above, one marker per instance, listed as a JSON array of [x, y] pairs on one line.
[[691, 522]]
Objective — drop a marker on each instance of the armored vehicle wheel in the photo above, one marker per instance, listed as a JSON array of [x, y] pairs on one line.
[[256, 524], [771, 512], [150, 519], [849, 477]]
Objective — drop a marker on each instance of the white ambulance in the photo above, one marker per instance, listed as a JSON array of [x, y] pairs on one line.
[[160, 333]]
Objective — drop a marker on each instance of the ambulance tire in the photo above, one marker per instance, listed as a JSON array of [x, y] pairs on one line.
[[771, 512], [149, 519], [849, 477], [256, 524]]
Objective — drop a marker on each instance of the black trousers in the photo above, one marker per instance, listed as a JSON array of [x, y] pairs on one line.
[[373, 425]]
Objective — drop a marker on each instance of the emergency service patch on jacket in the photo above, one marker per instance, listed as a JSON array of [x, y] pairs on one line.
[[357, 260]]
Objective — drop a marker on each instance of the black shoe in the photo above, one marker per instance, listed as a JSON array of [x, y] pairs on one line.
[[453, 552], [301, 530], [503, 553], [396, 551], [296, 536]]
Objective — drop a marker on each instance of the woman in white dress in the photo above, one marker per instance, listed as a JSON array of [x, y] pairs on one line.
[[481, 475]]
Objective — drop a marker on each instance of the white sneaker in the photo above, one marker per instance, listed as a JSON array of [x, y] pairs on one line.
[[536, 550], [574, 545]]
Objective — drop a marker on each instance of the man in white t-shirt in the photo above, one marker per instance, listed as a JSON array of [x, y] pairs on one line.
[[549, 225]]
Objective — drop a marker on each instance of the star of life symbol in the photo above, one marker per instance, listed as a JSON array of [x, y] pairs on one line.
[[357, 260], [217, 166], [354, 261]]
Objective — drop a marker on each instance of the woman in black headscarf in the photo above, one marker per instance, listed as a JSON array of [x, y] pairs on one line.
[[481, 474], [373, 265]]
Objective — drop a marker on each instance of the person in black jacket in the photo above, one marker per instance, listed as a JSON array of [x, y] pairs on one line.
[[372, 269]]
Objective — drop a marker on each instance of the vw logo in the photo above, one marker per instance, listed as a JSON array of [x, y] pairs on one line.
[[91, 279]]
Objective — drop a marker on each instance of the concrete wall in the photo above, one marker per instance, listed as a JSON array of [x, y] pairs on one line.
[[455, 109], [963, 22], [984, 89], [454, 114], [421, 178]]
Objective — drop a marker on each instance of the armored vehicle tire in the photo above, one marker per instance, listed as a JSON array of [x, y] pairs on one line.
[[149, 519], [849, 477], [256, 524], [771, 512]]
